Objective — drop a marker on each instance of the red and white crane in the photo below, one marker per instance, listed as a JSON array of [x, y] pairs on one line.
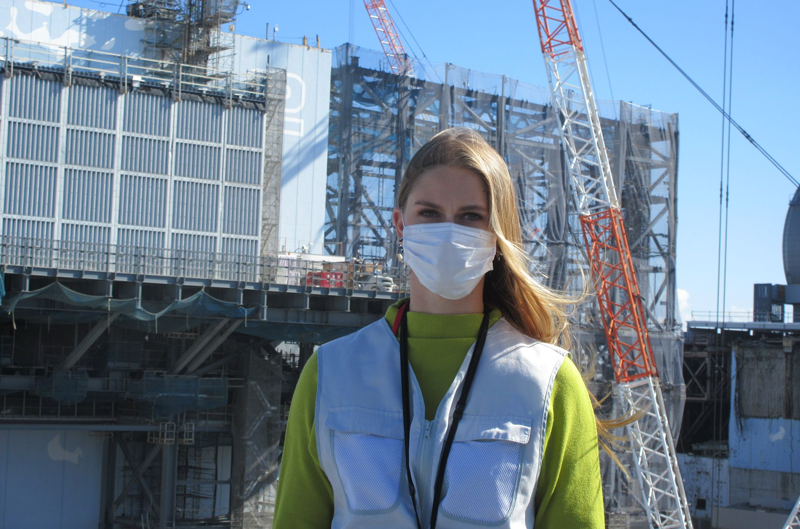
[[387, 33], [618, 294]]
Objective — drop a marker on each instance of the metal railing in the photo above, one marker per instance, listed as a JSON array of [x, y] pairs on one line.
[[274, 269], [738, 316], [133, 70]]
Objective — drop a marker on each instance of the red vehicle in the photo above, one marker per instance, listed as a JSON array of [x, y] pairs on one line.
[[325, 279]]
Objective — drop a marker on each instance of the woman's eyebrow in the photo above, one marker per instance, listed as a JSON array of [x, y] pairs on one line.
[[470, 207], [426, 203]]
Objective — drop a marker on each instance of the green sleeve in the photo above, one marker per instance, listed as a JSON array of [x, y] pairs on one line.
[[569, 492], [305, 496]]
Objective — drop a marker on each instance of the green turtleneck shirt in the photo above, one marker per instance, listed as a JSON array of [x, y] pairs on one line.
[[568, 493]]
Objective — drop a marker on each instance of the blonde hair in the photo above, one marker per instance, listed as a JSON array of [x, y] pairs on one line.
[[532, 308], [529, 306]]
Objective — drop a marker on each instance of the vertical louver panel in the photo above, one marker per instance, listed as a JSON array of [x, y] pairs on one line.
[[241, 211], [146, 114], [145, 155], [88, 195], [30, 190], [143, 201], [245, 127], [195, 206], [199, 121], [90, 149], [243, 167], [197, 161], [34, 98], [92, 106], [29, 141]]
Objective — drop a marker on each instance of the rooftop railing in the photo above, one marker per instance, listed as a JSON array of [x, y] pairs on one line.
[[133, 70], [302, 270]]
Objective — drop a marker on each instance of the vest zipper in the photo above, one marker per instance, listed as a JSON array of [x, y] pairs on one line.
[[425, 473]]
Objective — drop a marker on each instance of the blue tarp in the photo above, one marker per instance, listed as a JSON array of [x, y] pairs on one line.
[[199, 305]]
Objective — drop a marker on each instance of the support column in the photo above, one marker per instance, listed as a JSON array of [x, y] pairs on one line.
[[107, 487], [169, 477]]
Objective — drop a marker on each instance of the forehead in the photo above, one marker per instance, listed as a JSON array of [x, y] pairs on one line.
[[443, 183]]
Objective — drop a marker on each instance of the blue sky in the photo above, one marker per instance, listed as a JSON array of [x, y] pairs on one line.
[[501, 38]]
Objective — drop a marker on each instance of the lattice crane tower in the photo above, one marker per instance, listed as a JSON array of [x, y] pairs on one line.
[[664, 498], [387, 33], [793, 522]]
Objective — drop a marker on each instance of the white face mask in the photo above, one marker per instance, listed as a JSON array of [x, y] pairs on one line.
[[448, 259]]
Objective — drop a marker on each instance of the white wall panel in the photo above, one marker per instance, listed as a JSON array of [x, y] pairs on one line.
[[146, 114], [30, 141], [145, 155], [241, 211], [90, 149], [197, 161], [92, 106], [143, 201], [140, 238], [195, 206], [87, 195], [244, 167], [30, 190]]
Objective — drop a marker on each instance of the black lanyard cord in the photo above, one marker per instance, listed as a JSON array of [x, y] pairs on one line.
[[458, 412]]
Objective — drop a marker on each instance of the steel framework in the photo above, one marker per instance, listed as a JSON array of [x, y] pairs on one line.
[[610, 258]]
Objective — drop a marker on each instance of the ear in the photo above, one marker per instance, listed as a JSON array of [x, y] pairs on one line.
[[397, 220]]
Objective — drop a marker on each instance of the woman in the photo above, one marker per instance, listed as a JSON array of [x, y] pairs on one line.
[[456, 409]]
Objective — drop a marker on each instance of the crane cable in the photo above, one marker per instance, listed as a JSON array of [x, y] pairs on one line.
[[725, 114]]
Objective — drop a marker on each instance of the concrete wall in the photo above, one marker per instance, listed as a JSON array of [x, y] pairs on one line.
[[702, 481]]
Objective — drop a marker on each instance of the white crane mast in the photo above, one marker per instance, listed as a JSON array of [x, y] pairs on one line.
[[657, 471]]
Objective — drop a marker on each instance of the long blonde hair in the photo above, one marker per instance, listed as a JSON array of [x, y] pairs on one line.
[[532, 308]]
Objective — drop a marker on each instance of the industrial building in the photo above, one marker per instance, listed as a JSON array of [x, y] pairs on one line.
[[184, 219]]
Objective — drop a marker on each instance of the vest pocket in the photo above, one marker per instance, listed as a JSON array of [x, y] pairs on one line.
[[367, 447], [483, 470]]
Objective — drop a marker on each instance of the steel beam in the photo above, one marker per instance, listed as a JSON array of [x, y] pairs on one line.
[[209, 349], [89, 340], [196, 347], [169, 477], [151, 455], [129, 456]]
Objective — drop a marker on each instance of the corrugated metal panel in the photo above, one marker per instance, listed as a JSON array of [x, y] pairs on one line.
[[245, 127], [88, 195], [34, 98], [197, 161], [241, 211], [32, 142], [239, 260], [92, 106], [200, 121], [30, 190], [145, 155], [143, 201], [146, 114], [36, 250], [243, 167], [92, 149], [95, 235], [195, 206], [142, 251]]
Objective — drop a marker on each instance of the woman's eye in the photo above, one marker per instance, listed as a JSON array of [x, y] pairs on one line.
[[475, 217], [427, 213]]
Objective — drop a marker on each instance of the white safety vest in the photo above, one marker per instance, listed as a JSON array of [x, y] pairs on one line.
[[495, 460]]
